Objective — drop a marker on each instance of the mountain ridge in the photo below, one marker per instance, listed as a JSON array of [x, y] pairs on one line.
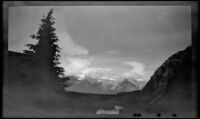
[[174, 74], [100, 87]]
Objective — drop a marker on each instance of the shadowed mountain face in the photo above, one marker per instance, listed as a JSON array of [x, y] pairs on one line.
[[172, 79]]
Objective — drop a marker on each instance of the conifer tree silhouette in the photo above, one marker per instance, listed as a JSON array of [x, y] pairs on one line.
[[45, 52]]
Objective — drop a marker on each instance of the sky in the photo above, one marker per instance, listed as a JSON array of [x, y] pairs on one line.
[[107, 41]]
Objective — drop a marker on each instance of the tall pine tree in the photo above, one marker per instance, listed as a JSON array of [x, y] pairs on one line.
[[45, 52]]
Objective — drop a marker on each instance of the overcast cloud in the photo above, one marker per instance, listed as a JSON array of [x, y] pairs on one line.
[[145, 35]]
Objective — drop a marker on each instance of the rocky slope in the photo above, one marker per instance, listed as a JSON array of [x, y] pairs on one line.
[[173, 79]]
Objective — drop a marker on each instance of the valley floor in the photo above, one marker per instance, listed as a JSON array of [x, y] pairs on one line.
[[21, 101]]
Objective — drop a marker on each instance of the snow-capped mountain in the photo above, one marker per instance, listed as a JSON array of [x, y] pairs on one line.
[[101, 85]]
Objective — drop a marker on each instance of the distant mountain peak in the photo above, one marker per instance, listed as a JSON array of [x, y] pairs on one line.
[[104, 86]]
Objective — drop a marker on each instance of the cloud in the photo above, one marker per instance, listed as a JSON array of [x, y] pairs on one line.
[[69, 46], [83, 67], [74, 65], [88, 67], [137, 70], [137, 67], [67, 43], [111, 52], [94, 72]]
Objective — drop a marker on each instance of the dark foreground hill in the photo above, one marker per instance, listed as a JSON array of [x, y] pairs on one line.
[[27, 94], [172, 87], [173, 78]]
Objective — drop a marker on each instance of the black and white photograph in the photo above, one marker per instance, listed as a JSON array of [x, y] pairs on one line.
[[98, 59]]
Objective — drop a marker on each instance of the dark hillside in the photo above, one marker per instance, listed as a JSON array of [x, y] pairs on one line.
[[173, 76], [172, 87], [25, 71]]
